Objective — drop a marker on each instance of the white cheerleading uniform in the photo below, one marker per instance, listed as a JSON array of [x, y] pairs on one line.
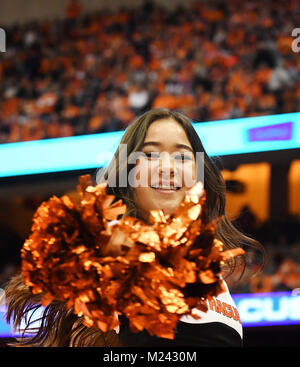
[[220, 326], [221, 309]]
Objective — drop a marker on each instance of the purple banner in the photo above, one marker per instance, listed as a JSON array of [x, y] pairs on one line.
[[272, 132]]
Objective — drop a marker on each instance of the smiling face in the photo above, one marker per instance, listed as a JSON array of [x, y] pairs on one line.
[[166, 168]]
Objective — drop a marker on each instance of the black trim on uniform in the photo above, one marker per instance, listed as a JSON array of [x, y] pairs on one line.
[[211, 334]]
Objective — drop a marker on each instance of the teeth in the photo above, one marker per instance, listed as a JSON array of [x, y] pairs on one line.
[[165, 187]]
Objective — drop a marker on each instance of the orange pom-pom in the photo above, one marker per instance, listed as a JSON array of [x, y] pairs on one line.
[[173, 263]]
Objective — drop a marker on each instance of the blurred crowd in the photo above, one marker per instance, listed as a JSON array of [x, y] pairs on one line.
[[94, 73]]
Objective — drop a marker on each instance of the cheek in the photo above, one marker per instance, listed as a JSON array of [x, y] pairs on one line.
[[139, 176], [144, 173], [189, 174]]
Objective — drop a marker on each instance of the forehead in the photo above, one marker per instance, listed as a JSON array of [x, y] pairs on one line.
[[167, 132]]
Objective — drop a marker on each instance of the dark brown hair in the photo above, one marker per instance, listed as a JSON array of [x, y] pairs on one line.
[[59, 326], [214, 183]]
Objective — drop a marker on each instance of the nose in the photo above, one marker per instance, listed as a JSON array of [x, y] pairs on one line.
[[166, 165]]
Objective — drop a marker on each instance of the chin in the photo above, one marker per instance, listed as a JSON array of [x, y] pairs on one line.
[[169, 206], [147, 200]]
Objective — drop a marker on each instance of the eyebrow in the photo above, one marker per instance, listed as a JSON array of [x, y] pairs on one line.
[[183, 146]]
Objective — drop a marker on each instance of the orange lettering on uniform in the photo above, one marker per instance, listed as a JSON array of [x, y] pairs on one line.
[[219, 307], [224, 310], [229, 311], [236, 315], [213, 305]]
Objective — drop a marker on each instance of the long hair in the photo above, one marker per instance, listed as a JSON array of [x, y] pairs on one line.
[[58, 325], [214, 183]]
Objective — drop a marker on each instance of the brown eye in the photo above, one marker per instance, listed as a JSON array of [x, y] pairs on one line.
[[183, 157], [152, 155]]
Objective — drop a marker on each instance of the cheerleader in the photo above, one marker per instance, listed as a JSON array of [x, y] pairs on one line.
[[167, 149]]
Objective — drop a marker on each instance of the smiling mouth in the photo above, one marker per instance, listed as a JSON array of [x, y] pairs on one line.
[[166, 189]]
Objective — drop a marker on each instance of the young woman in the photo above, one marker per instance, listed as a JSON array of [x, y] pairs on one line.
[[167, 145]]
